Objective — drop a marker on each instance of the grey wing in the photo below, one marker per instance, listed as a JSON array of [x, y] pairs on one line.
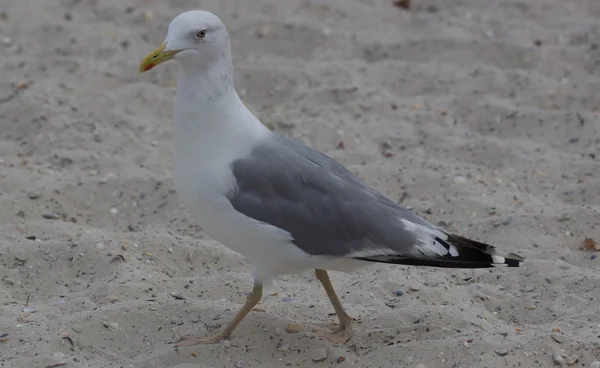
[[326, 209], [329, 211], [341, 172]]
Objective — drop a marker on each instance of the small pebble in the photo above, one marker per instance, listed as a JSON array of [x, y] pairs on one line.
[[460, 179], [239, 364], [399, 292], [288, 300], [558, 359], [528, 288], [284, 348], [502, 351], [226, 344], [293, 328], [318, 354], [309, 335], [504, 222], [30, 309], [571, 360], [33, 195], [111, 325], [114, 211], [558, 338], [414, 288], [148, 15]]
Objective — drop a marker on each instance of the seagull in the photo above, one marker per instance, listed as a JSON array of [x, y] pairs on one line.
[[284, 206]]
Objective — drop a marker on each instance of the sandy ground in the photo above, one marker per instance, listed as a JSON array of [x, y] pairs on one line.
[[482, 116]]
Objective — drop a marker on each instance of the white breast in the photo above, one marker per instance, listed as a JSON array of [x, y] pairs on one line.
[[202, 189], [208, 138]]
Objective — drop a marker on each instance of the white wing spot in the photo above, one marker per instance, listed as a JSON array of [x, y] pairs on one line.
[[453, 251], [440, 249], [426, 244], [498, 259]]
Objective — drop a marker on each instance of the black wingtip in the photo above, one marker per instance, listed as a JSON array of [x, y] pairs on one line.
[[471, 254]]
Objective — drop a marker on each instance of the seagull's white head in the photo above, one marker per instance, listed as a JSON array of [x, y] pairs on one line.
[[197, 39]]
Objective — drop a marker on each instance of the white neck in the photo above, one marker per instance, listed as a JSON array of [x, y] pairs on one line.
[[213, 127], [209, 113]]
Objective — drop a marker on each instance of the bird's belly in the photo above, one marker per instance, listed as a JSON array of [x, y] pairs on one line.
[[268, 248], [271, 250], [203, 193]]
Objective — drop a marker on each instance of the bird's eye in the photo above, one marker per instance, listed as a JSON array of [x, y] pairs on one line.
[[201, 33]]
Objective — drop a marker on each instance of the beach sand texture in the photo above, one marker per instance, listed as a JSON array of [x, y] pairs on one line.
[[483, 117]]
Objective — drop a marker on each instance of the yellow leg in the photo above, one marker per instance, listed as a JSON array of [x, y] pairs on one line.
[[251, 301], [343, 332]]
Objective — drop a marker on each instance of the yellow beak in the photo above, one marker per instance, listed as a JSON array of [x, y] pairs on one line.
[[157, 56]]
